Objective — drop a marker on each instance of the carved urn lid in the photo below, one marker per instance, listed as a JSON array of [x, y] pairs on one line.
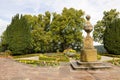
[[88, 27]]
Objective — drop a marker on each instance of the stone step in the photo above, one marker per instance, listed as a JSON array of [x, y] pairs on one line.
[[75, 66]]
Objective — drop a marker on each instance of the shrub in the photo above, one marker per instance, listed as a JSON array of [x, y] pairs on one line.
[[76, 56], [8, 52], [69, 52], [98, 57]]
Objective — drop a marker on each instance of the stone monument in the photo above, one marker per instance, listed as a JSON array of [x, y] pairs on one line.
[[88, 53]]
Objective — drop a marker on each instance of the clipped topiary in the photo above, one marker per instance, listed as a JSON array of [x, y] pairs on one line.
[[112, 37]]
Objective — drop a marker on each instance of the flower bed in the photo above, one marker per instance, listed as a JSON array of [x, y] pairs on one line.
[[39, 62], [46, 60]]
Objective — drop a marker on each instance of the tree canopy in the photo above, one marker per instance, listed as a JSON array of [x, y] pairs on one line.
[[112, 37], [17, 37], [101, 25]]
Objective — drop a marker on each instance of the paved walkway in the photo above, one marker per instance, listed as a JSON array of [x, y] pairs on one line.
[[12, 70], [106, 58], [30, 58]]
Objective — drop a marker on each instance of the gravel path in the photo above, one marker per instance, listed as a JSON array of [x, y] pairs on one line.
[[105, 58], [30, 58], [12, 70]]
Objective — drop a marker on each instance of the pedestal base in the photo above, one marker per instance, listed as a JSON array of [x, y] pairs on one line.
[[78, 65], [88, 55]]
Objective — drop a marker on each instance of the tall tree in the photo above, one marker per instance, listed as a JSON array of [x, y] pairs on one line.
[[41, 36], [101, 25], [3, 42], [112, 37], [67, 28], [18, 36]]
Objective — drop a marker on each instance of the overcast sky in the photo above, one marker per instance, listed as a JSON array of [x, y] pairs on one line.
[[95, 8]]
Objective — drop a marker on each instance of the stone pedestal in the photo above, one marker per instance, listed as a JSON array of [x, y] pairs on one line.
[[88, 55]]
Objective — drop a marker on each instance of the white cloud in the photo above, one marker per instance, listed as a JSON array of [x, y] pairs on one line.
[[3, 25], [95, 8]]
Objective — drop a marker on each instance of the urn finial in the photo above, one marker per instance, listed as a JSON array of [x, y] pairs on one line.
[[88, 17], [88, 27]]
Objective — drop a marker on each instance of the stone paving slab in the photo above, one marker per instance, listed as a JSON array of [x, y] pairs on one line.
[[12, 70]]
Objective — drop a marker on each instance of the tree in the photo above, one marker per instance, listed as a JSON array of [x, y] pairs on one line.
[[41, 40], [18, 36], [112, 37], [67, 29], [41, 36], [101, 25], [3, 43]]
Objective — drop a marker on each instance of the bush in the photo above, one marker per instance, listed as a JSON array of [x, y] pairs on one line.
[[111, 38], [98, 57], [8, 52], [69, 52]]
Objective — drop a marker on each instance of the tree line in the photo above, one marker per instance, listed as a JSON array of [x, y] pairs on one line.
[[51, 32], [48, 32]]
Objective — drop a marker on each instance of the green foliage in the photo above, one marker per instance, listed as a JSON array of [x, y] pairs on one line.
[[101, 25], [39, 62], [45, 59], [69, 52], [76, 56], [3, 43], [98, 57], [67, 29], [112, 37], [54, 57], [44, 32], [17, 36], [41, 40], [8, 52]]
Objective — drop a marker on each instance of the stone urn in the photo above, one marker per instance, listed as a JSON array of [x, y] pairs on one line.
[[88, 27]]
